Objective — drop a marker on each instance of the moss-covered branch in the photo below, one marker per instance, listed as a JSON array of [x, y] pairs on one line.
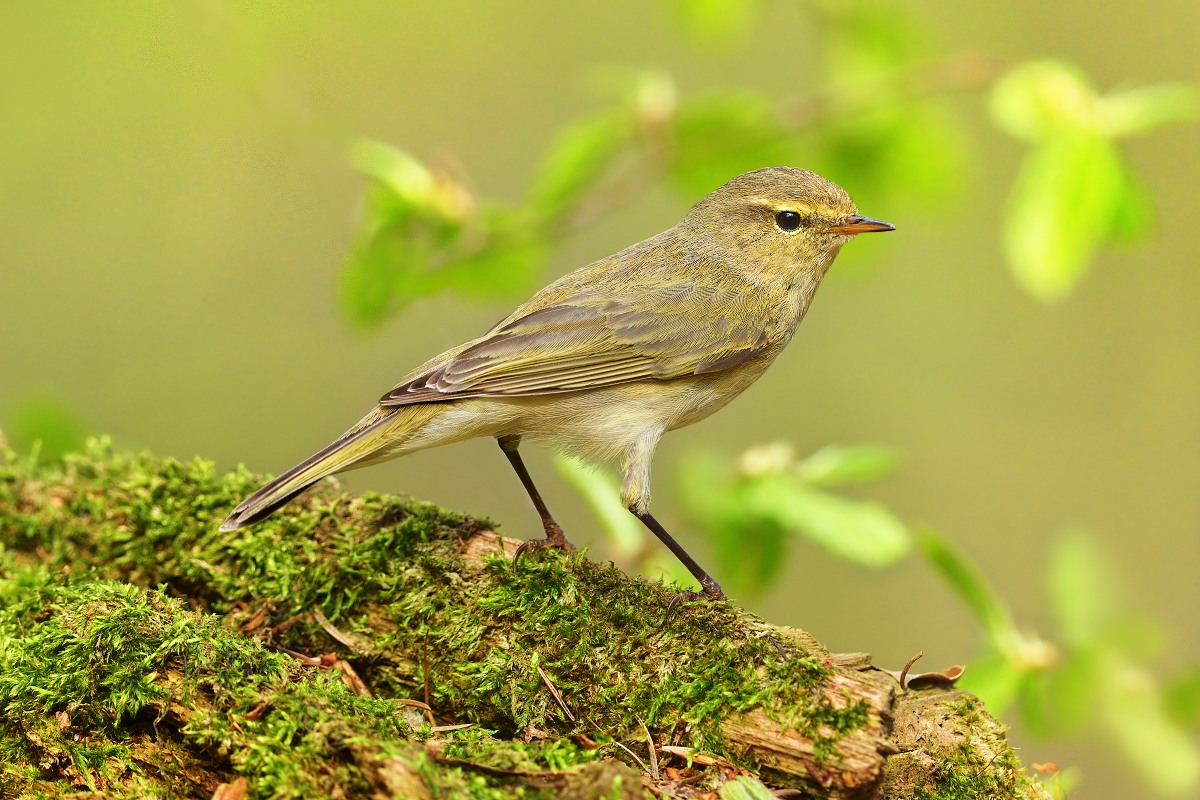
[[374, 647]]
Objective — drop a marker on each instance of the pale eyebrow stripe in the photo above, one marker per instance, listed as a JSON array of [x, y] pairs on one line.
[[801, 208]]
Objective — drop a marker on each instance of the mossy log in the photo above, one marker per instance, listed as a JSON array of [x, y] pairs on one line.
[[377, 647]]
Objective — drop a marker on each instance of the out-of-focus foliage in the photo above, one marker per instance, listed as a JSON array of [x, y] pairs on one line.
[[750, 513], [882, 122], [870, 125], [422, 233], [634, 547], [1094, 675], [1075, 191], [1183, 698], [719, 24], [878, 120]]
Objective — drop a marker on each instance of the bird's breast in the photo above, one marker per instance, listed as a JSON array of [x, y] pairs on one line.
[[603, 424]]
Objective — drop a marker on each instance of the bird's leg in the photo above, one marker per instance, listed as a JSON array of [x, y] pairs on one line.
[[635, 494], [710, 588], [554, 532]]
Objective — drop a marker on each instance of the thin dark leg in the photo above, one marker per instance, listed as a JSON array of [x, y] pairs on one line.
[[711, 589], [554, 532]]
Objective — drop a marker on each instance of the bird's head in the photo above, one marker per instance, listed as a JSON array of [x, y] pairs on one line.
[[778, 222]]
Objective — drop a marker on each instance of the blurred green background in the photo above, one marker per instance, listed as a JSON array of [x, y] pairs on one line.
[[176, 207]]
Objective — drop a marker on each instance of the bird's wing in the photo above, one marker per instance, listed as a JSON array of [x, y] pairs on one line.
[[589, 340]]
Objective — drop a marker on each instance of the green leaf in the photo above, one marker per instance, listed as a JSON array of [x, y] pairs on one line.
[[719, 137], [744, 787], [603, 496], [1037, 100], [577, 158], [1074, 687], [748, 546], [1139, 110], [995, 680], [1082, 588], [1063, 207], [894, 151], [748, 519], [863, 532], [368, 278], [1074, 192], [1164, 752], [1034, 702], [407, 186], [966, 581], [1182, 697], [496, 270], [868, 45], [1133, 213], [413, 223], [397, 263], [747, 540], [720, 23], [405, 176], [838, 465]]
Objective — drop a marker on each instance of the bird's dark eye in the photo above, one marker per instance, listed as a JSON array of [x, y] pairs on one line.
[[787, 220]]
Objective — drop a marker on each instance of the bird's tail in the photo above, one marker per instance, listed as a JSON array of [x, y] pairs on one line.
[[370, 441]]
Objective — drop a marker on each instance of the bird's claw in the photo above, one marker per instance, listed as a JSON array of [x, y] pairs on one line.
[[710, 590], [554, 538]]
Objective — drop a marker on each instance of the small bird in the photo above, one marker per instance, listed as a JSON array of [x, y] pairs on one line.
[[605, 360]]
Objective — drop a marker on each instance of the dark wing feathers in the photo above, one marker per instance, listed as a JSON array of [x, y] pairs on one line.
[[732, 358], [588, 341]]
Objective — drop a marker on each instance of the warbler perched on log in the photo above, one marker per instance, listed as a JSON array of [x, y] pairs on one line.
[[605, 360]]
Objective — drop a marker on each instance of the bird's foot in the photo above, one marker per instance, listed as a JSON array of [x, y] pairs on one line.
[[711, 590], [554, 538]]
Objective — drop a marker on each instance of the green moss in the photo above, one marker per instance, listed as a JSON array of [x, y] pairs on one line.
[[593, 781], [89, 669], [123, 604], [389, 571], [97, 648], [966, 773]]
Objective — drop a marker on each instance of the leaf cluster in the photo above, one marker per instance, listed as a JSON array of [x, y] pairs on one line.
[[879, 117], [1076, 190]]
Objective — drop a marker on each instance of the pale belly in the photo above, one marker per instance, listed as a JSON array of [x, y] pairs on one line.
[[597, 424]]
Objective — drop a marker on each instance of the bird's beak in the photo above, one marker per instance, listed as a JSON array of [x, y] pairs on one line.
[[857, 224]]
